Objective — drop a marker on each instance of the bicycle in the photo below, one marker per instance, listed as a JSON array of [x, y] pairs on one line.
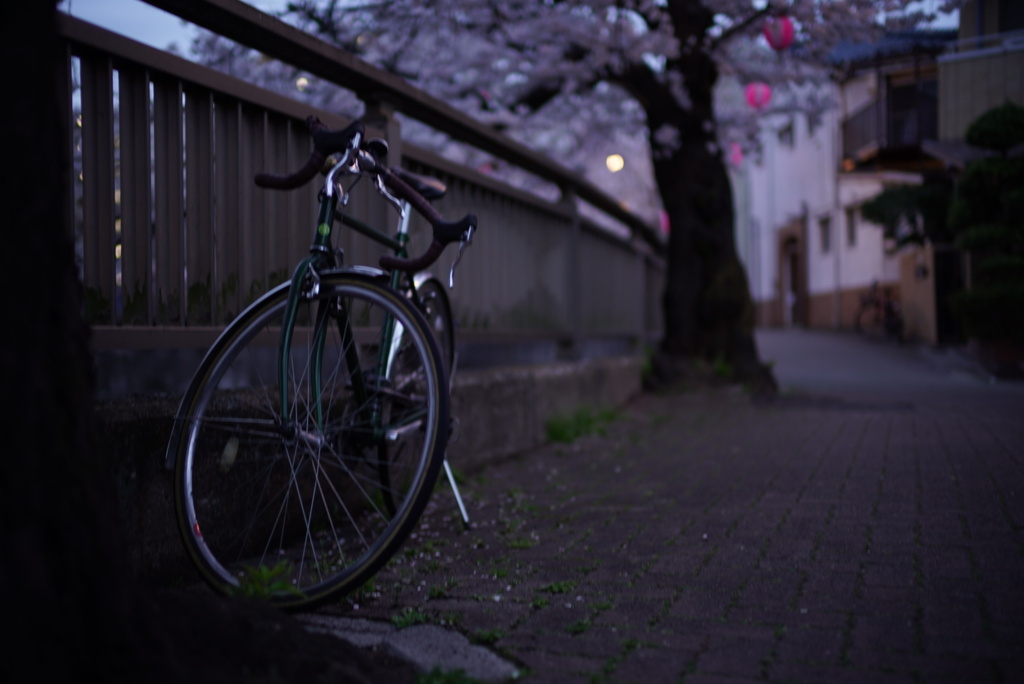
[[311, 436], [879, 315]]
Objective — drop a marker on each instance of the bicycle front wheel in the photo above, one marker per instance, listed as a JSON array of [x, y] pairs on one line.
[[279, 494]]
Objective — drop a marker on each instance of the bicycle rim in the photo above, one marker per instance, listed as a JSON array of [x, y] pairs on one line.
[[432, 301], [292, 507], [437, 310]]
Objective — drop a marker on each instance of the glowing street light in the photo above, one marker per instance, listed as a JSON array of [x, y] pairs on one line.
[[614, 162]]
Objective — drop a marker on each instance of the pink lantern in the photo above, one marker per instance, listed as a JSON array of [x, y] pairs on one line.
[[758, 95], [735, 154], [779, 32]]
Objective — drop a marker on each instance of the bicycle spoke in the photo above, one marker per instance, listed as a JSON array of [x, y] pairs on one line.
[[315, 500]]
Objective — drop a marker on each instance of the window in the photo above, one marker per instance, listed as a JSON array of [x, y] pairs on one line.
[[851, 227], [813, 123], [825, 230], [786, 136]]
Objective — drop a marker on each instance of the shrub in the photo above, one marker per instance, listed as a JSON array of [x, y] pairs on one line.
[[1000, 128], [988, 216]]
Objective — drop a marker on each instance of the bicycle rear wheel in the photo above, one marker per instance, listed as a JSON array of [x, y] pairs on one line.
[[292, 506], [437, 309], [866, 320], [432, 301]]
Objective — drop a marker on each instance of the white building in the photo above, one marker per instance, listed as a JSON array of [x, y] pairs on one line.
[[810, 255]]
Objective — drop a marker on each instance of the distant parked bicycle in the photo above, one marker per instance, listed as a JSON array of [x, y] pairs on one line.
[[311, 436], [879, 314]]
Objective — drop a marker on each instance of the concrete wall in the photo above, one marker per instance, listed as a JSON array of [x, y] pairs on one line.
[[501, 412]]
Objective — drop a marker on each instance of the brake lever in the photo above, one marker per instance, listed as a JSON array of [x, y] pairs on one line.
[[464, 242]]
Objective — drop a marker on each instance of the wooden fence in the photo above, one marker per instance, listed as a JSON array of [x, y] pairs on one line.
[[173, 237]]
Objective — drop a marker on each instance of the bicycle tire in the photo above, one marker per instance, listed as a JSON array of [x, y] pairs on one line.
[[293, 509], [865, 320], [433, 302]]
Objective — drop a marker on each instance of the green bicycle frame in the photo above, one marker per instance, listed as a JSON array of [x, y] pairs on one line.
[[320, 252], [321, 255]]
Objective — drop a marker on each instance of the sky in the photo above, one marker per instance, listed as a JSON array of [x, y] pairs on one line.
[[146, 24], [142, 22]]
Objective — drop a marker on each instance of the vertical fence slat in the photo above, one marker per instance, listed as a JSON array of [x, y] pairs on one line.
[[276, 159], [279, 228], [66, 90], [250, 219], [302, 203], [168, 160], [98, 187], [199, 200], [136, 201], [226, 266]]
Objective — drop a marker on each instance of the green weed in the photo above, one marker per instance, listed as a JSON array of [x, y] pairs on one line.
[[439, 676], [578, 627], [559, 588], [266, 581], [584, 421], [486, 637], [409, 617], [522, 543]]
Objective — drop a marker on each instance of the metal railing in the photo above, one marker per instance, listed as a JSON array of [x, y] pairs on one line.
[[174, 239]]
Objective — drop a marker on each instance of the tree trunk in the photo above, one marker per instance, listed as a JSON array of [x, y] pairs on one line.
[[74, 613], [708, 312]]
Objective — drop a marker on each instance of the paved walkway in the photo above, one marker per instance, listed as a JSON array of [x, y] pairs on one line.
[[866, 527]]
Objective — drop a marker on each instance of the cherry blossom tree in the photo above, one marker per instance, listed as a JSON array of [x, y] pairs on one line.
[[571, 77]]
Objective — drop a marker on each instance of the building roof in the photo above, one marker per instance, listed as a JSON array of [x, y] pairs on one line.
[[892, 44]]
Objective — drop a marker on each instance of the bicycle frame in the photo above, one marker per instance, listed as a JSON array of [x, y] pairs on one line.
[[305, 280]]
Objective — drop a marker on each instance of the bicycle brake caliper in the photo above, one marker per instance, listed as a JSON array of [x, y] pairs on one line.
[[464, 242], [312, 283]]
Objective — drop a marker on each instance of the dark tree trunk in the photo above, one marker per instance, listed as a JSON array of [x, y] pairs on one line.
[[708, 311], [60, 569], [73, 613]]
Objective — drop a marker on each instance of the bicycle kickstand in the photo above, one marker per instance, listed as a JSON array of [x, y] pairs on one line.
[[448, 468], [458, 497]]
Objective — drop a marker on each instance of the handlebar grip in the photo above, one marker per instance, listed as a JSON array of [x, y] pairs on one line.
[[412, 265], [325, 143], [444, 232], [404, 191]]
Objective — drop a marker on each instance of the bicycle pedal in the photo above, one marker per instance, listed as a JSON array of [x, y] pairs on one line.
[[453, 430]]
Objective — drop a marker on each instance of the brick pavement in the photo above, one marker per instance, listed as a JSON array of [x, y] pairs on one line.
[[866, 527]]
